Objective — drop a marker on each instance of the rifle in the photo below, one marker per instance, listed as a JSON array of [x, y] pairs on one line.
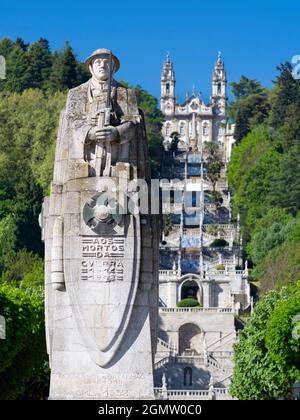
[[104, 121], [107, 112]]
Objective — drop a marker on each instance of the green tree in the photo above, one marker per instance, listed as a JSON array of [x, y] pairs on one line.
[[40, 62], [285, 191], [153, 118], [66, 72], [269, 232], [286, 92], [245, 87], [8, 240], [214, 163], [27, 139], [289, 132], [251, 111], [283, 341], [6, 46], [23, 352], [279, 267], [24, 269], [259, 373], [17, 70]]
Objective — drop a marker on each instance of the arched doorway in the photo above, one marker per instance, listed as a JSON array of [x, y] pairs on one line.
[[190, 339], [190, 289]]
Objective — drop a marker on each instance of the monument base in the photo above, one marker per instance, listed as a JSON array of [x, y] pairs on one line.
[[75, 376]]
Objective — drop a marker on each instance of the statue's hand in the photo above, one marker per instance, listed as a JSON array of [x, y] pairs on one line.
[[108, 134], [104, 134]]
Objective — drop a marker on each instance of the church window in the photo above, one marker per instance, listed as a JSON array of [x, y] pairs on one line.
[[219, 88], [168, 87], [205, 129], [182, 129], [188, 377], [168, 129]]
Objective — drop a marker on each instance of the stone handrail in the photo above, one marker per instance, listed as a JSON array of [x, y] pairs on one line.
[[189, 359], [212, 310], [225, 248], [195, 393], [221, 391], [216, 273], [216, 365], [198, 394], [216, 262], [219, 226], [165, 344], [221, 339], [221, 353], [225, 378], [198, 360], [161, 362], [167, 273], [210, 237]]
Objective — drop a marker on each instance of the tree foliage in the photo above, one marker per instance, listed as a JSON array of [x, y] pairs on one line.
[[250, 105], [267, 355], [35, 66], [264, 177], [153, 119], [214, 163], [23, 351], [27, 136], [245, 87]]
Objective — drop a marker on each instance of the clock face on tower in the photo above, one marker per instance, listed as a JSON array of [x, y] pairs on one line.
[[169, 108]]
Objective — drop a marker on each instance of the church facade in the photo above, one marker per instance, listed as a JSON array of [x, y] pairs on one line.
[[203, 283], [194, 121]]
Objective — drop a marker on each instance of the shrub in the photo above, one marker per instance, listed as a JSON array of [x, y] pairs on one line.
[[268, 352], [219, 243], [23, 351], [188, 303]]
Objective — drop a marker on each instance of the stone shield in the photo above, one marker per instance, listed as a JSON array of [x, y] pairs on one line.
[[101, 269]]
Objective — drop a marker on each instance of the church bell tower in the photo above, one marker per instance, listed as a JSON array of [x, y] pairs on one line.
[[219, 87], [167, 82]]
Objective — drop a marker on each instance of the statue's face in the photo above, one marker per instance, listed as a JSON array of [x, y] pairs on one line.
[[100, 68]]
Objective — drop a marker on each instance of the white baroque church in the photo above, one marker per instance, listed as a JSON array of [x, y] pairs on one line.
[[201, 248], [195, 121]]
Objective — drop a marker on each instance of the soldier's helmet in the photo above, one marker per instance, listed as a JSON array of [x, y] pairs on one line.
[[103, 52]]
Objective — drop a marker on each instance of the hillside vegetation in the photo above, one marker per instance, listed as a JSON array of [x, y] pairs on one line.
[[264, 178]]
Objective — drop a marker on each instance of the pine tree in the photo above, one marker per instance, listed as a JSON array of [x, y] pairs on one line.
[[286, 93], [64, 73], [251, 111], [39, 63], [245, 87], [20, 43], [18, 70], [6, 46]]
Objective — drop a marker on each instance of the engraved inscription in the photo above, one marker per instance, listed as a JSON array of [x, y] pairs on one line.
[[102, 259]]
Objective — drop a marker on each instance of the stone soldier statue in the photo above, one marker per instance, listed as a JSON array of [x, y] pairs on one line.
[[99, 124], [101, 262]]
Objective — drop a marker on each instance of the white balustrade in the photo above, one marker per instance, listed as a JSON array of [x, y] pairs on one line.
[[208, 310]]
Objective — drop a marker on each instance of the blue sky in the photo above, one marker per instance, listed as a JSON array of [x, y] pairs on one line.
[[254, 36]]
